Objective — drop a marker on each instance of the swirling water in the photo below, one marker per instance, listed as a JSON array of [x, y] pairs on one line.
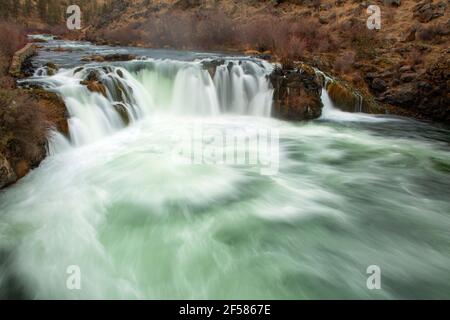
[[352, 190]]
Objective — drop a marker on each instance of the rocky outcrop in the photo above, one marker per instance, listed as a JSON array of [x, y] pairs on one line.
[[53, 107], [19, 58], [25, 117], [52, 68], [421, 93], [426, 10], [94, 86], [211, 66], [110, 57], [93, 83], [7, 174], [296, 93]]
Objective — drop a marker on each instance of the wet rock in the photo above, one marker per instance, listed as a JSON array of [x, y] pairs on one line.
[[296, 93], [52, 68], [21, 168], [123, 112], [211, 66], [94, 58], [78, 70], [342, 96], [94, 86], [109, 57], [7, 174], [93, 75], [119, 57], [38, 40]]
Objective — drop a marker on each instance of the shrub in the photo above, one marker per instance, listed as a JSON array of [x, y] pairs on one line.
[[415, 57], [12, 38], [344, 62], [23, 127]]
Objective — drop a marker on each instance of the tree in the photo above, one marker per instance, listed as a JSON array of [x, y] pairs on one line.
[[15, 8], [42, 9], [53, 12], [6, 8], [28, 8]]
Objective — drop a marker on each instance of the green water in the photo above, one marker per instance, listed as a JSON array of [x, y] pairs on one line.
[[141, 225]]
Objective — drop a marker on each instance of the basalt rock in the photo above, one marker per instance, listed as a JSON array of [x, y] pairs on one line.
[[423, 94], [7, 174], [343, 96], [54, 109], [94, 86], [109, 57], [426, 10], [122, 111], [119, 57], [19, 59], [211, 66], [52, 68], [296, 93]]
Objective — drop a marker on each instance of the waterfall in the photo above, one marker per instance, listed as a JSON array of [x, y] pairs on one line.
[[333, 113], [137, 89]]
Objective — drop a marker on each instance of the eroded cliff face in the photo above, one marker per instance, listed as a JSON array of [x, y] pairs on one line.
[[422, 92], [26, 116]]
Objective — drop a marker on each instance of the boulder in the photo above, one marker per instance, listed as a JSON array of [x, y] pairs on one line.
[[52, 68], [378, 85], [94, 86], [211, 66], [296, 93]]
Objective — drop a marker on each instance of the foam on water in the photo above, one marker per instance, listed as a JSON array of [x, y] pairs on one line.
[[140, 224]]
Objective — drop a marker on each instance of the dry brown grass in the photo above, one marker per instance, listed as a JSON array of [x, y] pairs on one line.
[[12, 38], [22, 126]]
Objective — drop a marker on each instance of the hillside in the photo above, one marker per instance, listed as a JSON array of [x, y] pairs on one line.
[[404, 64]]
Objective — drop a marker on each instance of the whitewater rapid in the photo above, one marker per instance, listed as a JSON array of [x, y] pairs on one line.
[[352, 190]]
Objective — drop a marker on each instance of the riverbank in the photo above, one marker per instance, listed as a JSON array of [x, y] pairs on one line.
[[403, 67], [26, 115]]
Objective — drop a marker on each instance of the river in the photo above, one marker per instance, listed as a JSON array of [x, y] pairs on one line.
[[344, 192]]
